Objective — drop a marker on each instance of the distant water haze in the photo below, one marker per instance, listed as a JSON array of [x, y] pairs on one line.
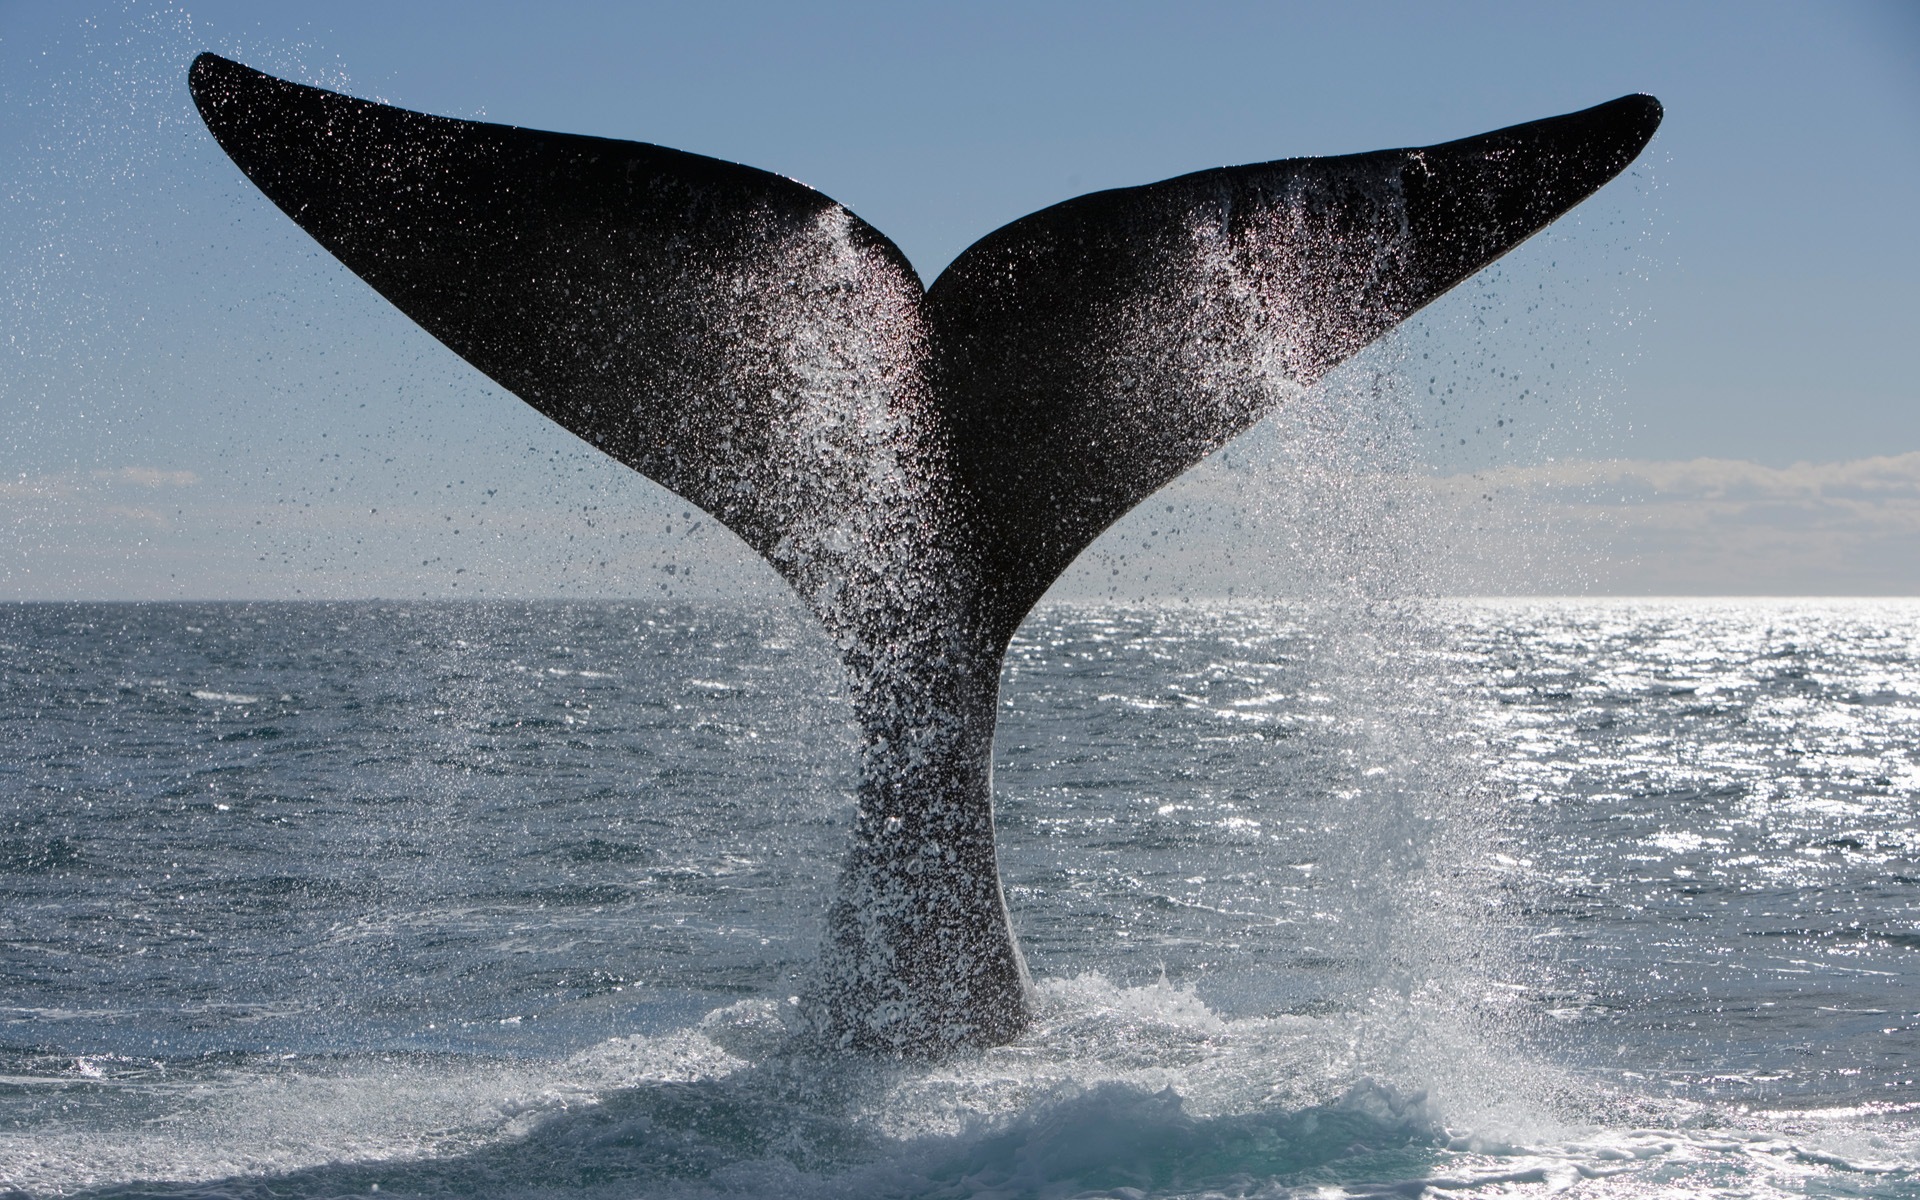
[[557, 519]]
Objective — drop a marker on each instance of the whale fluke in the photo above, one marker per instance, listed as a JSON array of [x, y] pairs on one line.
[[1093, 351], [920, 465]]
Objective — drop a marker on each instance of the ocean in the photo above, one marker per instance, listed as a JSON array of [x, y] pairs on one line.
[[1482, 898]]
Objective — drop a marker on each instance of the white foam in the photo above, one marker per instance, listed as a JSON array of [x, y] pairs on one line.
[[1116, 1091]]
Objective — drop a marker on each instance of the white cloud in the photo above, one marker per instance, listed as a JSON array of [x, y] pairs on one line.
[[1285, 520], [76, 483], [1297, 520], [1883, 480], [149, 477], [1711, 525]]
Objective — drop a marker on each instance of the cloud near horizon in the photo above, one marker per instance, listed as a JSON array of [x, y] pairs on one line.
[[1886, 477], [1713, 525], [1576, 526], [23, 488]]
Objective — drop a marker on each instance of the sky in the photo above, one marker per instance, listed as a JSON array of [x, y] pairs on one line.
[[1699, 382]]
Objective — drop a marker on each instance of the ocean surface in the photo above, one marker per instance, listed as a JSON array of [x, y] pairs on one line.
[[1616, 899]]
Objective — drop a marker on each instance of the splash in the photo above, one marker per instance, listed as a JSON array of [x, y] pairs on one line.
[[1113, 1092]]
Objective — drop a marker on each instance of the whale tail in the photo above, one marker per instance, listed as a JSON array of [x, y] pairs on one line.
[[756, 348], [919, 464]]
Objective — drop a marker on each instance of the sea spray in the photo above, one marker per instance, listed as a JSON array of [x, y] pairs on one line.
[[1340, 505]]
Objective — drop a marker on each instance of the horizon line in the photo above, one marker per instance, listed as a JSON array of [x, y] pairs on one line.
[[1049, 602]]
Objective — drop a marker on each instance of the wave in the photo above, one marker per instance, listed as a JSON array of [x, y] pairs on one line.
[[1118, 1092]]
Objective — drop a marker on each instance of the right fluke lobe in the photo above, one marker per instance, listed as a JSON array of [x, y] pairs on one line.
[[1091, 352]]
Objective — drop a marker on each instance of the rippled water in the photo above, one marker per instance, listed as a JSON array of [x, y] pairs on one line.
[[510, 900]]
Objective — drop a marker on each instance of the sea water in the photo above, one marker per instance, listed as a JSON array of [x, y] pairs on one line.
[[1486, 898]]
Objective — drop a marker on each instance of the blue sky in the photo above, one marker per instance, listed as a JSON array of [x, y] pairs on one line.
[[198, 402]]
